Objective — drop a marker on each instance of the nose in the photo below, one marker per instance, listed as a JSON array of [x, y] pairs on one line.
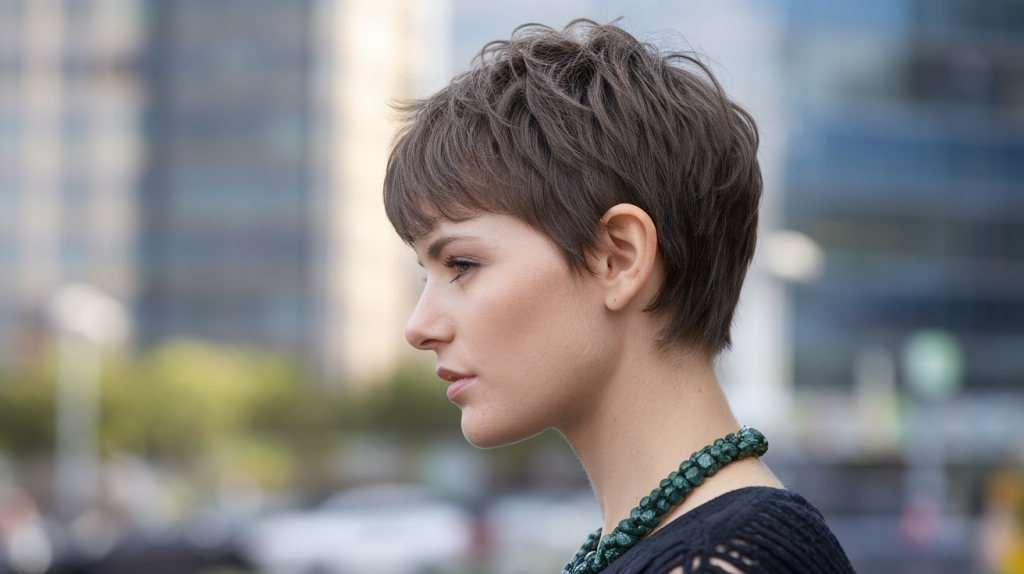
[[428, 327]]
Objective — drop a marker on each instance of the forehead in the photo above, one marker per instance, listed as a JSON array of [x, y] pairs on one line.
[[488, 230], [447, 231]]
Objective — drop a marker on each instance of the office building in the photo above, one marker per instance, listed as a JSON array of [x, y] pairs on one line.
[[217, 165], [70, 156], [906, 163]]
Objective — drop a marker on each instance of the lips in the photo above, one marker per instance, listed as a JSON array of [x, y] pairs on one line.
[[459, 381]]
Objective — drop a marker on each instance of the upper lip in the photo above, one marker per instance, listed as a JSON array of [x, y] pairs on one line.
[[450, 375]]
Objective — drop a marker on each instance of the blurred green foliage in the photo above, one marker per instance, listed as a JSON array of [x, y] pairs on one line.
[[226, 407], [27, 410]]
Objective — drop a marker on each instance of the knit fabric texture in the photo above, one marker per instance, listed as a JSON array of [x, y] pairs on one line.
[[755, 530]]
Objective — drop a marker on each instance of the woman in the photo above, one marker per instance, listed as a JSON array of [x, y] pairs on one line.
[[585, 208]]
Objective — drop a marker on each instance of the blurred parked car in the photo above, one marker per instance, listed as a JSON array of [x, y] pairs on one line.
[[381, 530], [539, 532]]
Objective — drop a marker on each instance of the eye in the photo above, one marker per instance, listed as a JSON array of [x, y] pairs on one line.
[[460, 265]]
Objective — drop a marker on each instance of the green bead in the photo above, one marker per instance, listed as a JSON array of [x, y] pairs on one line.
[[664, 482], [655, 494], [645, 502], [731, 438], [695, 476], [633, 527], [672, 475], [705, 461], [681, 485], [625, 539], [635, 513], [663, 506], [676, 496], [649, 518], [709, 464]]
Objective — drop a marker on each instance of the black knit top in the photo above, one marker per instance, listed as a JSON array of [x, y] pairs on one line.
[[755, 530]]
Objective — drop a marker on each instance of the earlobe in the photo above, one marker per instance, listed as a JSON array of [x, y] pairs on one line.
[[629, 250]]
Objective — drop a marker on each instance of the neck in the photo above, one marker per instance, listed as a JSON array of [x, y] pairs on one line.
[[649, 417]]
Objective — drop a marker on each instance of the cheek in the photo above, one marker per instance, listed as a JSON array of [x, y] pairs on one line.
[[537, 342], [526, 322]]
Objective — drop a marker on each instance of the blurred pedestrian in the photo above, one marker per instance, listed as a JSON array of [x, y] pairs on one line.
[[1001, 527], [23, 540]]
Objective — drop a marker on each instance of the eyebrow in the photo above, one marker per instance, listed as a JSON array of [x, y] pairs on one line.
[[438, 245]]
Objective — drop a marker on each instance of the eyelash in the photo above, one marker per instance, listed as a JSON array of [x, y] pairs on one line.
[[463, 266]]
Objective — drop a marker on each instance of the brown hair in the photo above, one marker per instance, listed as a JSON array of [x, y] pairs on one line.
[[557, 127]]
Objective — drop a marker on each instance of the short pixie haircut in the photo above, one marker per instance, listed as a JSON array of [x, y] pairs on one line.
[[557, 127]]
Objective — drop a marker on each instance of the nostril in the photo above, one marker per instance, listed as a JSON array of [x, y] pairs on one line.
[[425, 341], [419, 339]]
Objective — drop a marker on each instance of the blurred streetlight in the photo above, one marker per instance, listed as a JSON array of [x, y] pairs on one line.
[[792, 256], [933, 363], [87, 320]]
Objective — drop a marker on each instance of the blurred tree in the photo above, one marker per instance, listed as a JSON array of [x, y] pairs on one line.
[[413, 404], [227, 407], [26, 410], [176, 399]]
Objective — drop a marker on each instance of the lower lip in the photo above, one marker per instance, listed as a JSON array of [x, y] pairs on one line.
[[456, 387]]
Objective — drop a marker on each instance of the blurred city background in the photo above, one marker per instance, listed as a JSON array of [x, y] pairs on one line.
[[202, 366]]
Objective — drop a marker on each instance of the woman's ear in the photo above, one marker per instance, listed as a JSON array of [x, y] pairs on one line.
[[627, 254]]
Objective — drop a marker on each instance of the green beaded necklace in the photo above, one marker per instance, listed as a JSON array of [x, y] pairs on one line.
[[597, 552]]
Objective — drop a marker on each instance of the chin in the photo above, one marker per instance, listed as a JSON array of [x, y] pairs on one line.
[[487, 432]]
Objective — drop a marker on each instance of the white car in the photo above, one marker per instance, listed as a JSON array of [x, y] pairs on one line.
[[539, 532], [381, 530]]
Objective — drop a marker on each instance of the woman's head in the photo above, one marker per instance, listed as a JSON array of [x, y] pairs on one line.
[[555, 128]]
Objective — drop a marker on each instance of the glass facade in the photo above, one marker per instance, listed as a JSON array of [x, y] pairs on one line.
[[226, 245], [906, 165]]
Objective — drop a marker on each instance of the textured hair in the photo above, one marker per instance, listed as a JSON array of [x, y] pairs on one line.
[[556, 127]]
